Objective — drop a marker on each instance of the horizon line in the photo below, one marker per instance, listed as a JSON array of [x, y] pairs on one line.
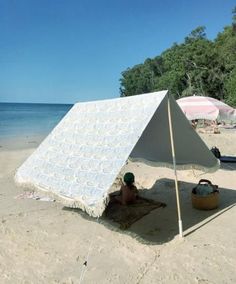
[[42, 103]]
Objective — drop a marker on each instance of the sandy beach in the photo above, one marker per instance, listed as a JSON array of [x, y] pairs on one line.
[[44, 242]]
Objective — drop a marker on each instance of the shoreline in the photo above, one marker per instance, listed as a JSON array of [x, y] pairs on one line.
[[21, 142]]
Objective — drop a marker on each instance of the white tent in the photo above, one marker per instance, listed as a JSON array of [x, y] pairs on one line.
[[80, 159]]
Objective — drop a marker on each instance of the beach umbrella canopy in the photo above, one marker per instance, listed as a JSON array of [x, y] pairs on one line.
[[199, 107]]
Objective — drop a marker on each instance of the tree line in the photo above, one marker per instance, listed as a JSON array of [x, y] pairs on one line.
[[197, 66]]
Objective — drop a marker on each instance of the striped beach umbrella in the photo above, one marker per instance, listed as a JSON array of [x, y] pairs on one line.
[[199, 107]]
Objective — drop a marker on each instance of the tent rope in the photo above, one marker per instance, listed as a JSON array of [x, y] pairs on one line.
[[85, 264]]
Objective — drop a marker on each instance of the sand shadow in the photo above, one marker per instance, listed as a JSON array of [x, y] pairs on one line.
[[161, 225]]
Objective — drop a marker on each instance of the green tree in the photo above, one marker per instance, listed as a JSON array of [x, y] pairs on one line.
[[197, 66], [137, 80], [198, 33], [230, 87], [234, 19]]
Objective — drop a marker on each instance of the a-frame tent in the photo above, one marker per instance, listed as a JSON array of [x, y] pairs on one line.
[[80, 159]]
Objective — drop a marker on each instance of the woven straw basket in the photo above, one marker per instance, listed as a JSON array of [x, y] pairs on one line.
[[208, 202]]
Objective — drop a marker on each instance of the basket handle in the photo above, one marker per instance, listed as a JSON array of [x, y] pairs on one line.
[[215, 187], [204, 180]]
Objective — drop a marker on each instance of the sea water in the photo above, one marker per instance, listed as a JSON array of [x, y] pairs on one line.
[[26, 119]]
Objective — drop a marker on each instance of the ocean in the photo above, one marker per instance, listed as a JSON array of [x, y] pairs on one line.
[[27, 119]]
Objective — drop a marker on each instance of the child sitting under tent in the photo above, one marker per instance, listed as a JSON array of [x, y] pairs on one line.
[[128, 191]]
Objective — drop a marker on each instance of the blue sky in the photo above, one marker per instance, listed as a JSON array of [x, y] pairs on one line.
[[64, 51]]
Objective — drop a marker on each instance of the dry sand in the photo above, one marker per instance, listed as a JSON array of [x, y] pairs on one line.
[[43, 242]]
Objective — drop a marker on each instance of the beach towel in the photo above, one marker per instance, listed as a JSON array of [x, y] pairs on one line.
[[126, 215], [228, 159], [223, 159]]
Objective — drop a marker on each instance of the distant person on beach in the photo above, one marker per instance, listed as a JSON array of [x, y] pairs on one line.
[[128, 191], [215, 127], [194, 123]]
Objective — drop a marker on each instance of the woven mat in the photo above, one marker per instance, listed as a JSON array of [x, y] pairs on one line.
[[126, 215]]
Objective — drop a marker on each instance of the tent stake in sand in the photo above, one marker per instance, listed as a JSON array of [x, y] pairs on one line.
[[175, 171]]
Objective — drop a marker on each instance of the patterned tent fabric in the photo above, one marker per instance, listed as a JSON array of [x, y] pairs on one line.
[[80, 159]]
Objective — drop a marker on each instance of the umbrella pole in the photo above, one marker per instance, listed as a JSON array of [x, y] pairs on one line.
[[174, 165]]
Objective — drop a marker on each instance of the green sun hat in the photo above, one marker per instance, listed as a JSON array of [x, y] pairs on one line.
[[129, 178]]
